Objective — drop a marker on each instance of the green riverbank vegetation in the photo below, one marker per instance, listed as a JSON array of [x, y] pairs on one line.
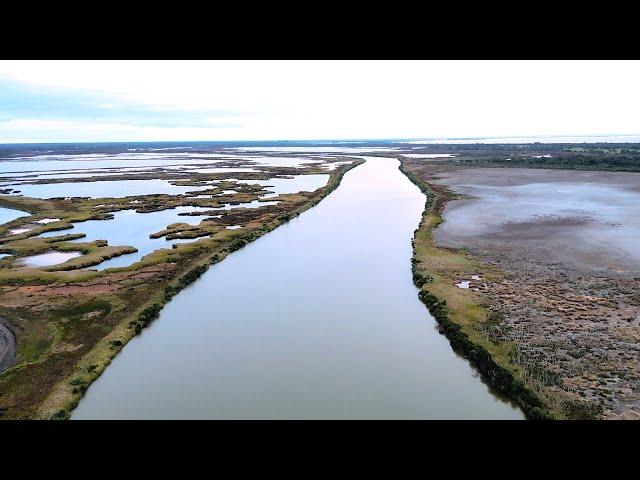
[[71, 322], [462, 313]]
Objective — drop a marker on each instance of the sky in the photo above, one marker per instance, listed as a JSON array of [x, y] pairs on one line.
[[93, 101]]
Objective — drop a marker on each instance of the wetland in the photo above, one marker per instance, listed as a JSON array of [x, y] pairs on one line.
[[282, 303], [83, 260], [540, 268], [328, 333]]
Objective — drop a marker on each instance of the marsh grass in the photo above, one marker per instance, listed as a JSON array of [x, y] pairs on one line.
[[460, 312], [85, 339]]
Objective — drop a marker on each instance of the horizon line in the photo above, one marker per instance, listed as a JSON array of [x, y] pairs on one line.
[[331, 140]]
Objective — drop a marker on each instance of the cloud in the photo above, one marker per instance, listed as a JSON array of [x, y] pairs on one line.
[[23, 101], [45, 131], [227, 100]]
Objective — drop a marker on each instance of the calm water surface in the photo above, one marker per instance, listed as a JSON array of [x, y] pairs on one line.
[[8, 214], [104, 189], [133, 229], [318, 319], [49, 258], [45, 163], [298, 183]]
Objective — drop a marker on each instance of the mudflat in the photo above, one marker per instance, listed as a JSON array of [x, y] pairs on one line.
[[558, 277], [587, 221], [93, 245]]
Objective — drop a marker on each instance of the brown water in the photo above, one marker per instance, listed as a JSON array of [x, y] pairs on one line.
[[318, 319]]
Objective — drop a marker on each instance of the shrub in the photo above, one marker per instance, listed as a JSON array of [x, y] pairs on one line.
[[501, 378], [149, 314], [60, 415]]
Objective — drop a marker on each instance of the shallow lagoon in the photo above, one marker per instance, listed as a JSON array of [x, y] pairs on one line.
[[222, 170], [107, 188], [295, 325], [44, 163], [296, 162], [9, 214], [252, 204], [49, 258], [131, 228], [282, 186]]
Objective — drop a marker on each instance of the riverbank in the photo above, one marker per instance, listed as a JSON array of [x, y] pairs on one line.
[[565, 244], [317, 320], [461, 312], [75, 322], [63, 399]]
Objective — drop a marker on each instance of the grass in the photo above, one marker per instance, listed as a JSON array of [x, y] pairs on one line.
[[84, 331], [460, 312]]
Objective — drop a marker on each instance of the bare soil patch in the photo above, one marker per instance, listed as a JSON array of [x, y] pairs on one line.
[[569, 297]]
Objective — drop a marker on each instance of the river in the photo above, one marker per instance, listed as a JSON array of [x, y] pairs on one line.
[[318, 319]]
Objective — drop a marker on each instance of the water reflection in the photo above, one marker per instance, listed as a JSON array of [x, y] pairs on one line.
[[317, 319], [49, 258], [9, 214], [131, 228], [106, 189], [298, 183]]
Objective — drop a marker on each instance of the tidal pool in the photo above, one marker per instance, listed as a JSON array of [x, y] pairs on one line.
[[296, 162], [282, 186], [25, 179], [107, 188], [179, 241], [317, 319], [222, 170], [57, 233], [45, 163], [18, 231], [49, 258], [334, 165], [9, 214], [131, 228], [55, 174], [252, 204]]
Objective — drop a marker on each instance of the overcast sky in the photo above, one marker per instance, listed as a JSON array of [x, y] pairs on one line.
[[59, 101]]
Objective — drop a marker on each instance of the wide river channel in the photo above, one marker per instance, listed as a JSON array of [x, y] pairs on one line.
[[318, 319]]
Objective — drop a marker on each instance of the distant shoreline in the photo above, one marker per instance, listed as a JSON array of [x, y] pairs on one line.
[[508, 139]]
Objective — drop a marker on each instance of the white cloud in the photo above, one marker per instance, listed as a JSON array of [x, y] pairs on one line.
[[26, 131], [345, 99]]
